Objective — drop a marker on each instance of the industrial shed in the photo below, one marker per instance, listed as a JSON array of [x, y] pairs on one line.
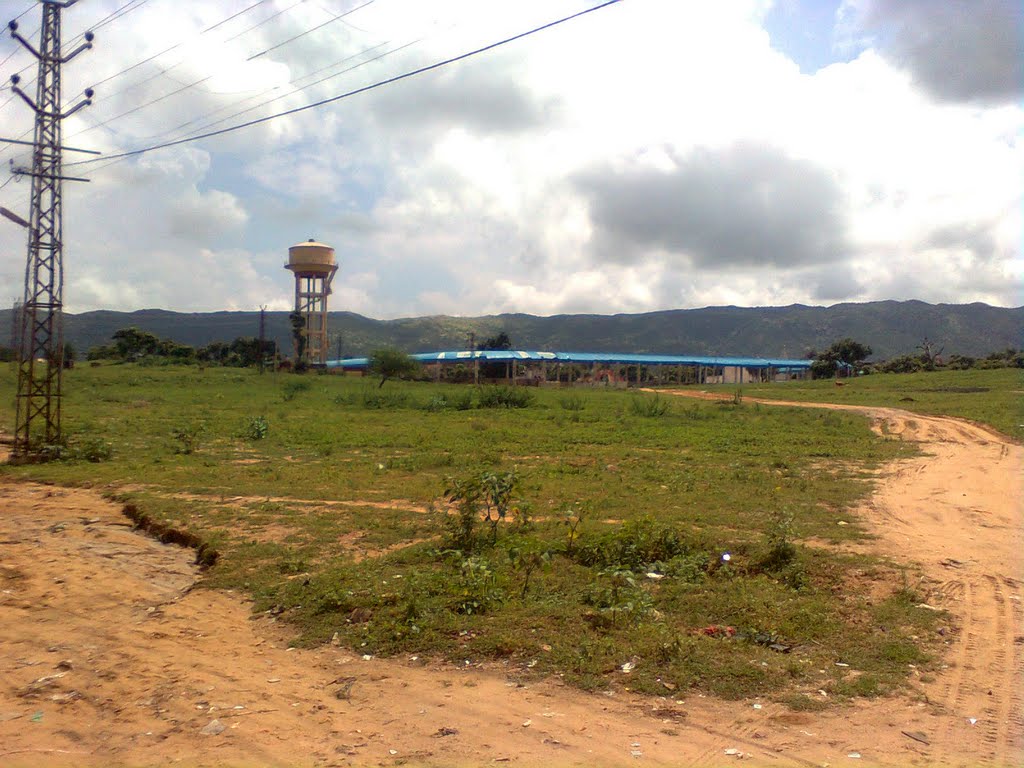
[[613, 368]]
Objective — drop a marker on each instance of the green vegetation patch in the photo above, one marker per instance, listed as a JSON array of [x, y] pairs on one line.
[[609, 538], [992, 397]]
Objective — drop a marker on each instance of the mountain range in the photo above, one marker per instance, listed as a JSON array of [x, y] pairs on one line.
[[890, 328]]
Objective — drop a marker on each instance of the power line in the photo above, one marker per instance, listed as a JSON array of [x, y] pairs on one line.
[[133, 5], [308, 31], [187, 86], [180, 43], [199, 118], [260, 24], [121, 159], [357, 91], [303, 88]]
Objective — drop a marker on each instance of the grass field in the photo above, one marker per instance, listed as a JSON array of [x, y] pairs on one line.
[[994, 397], [325, 498]]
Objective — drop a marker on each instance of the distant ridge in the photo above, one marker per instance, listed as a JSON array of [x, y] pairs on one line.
[[891, 328]]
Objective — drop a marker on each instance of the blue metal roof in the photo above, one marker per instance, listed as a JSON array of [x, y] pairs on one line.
[[606, 358]]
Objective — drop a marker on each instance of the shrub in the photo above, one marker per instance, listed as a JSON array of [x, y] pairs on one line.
[[634, 546], [572, 403], [617, 595], [256, 428], [476, 589], [436, 403], [488, 495], [94, 450], [650, 407], [375, 399], [505, 397], [463, 401], [291, 388], [187, 438]]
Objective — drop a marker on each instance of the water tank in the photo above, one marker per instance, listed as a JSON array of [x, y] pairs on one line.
[[311, 257]]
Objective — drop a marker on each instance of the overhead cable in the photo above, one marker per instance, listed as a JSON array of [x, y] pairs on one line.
[[357, 91], [308, 31], [186, 86]]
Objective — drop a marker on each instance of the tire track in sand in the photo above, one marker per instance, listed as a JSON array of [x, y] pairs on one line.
[[958, 507]]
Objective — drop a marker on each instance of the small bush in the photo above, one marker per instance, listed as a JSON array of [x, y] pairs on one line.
[[573, 403], [781, 550], [618, 596], [475, 588], [187, 438], [436, 403], [377, 399], [291, 389], [256, 428], [505, 397], [634, 546], [93, 449], [463, 401], [650, 407], [488, 496]]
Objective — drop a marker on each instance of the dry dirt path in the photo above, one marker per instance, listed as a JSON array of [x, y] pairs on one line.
[[108, 657]]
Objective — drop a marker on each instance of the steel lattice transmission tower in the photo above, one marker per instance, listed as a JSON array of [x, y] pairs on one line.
[[42, 339]]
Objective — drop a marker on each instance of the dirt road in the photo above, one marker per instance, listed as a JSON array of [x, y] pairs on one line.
[[109, 657]]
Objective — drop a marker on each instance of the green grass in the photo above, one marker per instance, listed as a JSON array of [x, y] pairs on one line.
[[330, 515], [992, 397]]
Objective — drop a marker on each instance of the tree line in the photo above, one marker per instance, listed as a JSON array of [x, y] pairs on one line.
[[846, 357], [132, 345]]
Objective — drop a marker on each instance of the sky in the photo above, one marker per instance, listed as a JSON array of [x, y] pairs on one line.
[[649, 155]]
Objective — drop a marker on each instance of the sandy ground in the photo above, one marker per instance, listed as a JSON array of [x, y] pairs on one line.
[[109, 657]]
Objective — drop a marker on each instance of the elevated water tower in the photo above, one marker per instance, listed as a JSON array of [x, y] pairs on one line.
[[314, 267]]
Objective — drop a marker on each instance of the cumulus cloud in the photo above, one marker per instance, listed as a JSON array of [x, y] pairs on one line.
[[204, 217], [489, 101], [959, 51], [741, 206]]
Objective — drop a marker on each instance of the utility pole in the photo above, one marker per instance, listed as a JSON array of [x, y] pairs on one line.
[[263, 333], [38, 419]]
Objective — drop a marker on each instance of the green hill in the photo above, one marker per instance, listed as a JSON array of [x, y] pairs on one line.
[[889, 327]]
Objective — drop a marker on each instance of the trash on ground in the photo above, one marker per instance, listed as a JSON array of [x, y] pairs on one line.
[[628, 667], [916, 736], [854, 755]]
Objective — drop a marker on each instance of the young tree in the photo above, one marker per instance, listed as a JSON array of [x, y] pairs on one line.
[[845, 352], [131, 343], [499, 341], [298, 323], [391, 363]]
